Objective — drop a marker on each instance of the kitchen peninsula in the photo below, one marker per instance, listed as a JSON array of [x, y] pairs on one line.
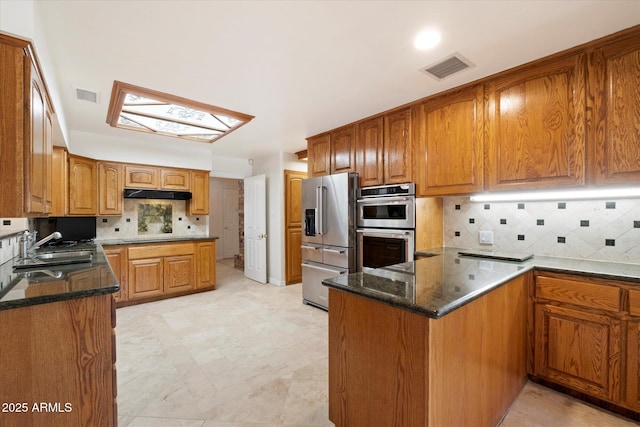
[[448, 339], [58, 343]]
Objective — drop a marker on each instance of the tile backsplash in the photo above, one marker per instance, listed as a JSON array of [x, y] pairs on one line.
[[126, 226], [607, 230]]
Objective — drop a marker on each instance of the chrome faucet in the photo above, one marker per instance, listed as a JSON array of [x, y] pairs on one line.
[[28, 245]]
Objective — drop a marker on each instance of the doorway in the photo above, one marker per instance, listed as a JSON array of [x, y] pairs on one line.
[[224, 217]]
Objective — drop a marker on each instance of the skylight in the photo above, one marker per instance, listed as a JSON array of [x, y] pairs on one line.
[[145, 110]]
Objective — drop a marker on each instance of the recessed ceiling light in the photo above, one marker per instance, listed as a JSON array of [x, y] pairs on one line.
[[427, 39]]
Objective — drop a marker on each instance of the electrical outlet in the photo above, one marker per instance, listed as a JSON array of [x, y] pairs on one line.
[[485, 237]]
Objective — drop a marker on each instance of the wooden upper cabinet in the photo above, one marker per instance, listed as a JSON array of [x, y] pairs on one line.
[[110, 187], [614, 79], [83, 186], [59, 181], [536, 126], [397, 147], [319, 152], [448, 134], [370, 152], [140, 176], [39, 145], [174, 179], [199, 203], [343, 149]]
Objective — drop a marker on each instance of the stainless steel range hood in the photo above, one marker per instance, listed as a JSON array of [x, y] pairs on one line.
[[133, 193]]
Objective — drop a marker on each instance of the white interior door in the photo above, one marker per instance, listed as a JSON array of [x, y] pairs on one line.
[[255, 228], [230, 222]]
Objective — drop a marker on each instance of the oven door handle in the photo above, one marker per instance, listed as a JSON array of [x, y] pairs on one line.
[[385, 200], [377, 233]]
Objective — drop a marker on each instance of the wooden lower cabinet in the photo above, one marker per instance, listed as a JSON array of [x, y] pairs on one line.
[[392, 367], [163, 270], [206, 264], [578, 349], [146, 277], [586, 339], [117, 257], [60, 354], [179, 273], [632, 392]]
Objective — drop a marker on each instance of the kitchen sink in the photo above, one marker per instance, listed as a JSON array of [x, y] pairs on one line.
[[64, 254], [46, 259]]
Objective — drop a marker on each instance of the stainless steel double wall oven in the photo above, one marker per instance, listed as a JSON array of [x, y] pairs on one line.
[[386, 223]]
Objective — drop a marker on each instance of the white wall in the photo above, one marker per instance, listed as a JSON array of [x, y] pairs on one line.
[[21, 18], [16, 17], [121, 150], [273, 167], [230, 167]]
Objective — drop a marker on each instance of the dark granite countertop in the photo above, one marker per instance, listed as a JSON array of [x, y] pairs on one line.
[[132, 241], [19, 288], [436, 285]]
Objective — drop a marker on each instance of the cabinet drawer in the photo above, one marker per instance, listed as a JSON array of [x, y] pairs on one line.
[[155, 251], [634, 302], [578, 293]]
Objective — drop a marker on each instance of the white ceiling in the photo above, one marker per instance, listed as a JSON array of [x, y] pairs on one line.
[[299, 67]]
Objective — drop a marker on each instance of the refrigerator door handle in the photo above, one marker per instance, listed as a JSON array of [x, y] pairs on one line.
[[318, 212], [320, 206]]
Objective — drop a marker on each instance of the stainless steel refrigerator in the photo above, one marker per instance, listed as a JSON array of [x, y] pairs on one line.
[[328, 235]]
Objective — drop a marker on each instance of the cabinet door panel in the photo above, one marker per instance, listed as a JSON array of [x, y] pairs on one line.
[[448, 144], [294, 255], [110, 186], [174, 179], [141, 177], [319, 152], [206, 264], [632, 395], [36, 150], [83, 186], [397, 147], [117, 260], [146, 277], [343, 150], [60, 182], [578, 349], [614, 79], [199, 203], [536, 126], [370, 152], [179, 273]]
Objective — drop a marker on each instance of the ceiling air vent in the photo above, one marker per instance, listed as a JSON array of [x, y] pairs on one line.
[[448, 66], [87, 95]]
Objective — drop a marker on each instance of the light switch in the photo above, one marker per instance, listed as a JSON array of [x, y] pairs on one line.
[[485, 237]]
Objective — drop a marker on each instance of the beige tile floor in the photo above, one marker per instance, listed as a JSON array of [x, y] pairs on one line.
[[252, 355]]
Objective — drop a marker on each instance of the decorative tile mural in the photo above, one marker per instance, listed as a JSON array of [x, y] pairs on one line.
[[155, 218], [606, 230]]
